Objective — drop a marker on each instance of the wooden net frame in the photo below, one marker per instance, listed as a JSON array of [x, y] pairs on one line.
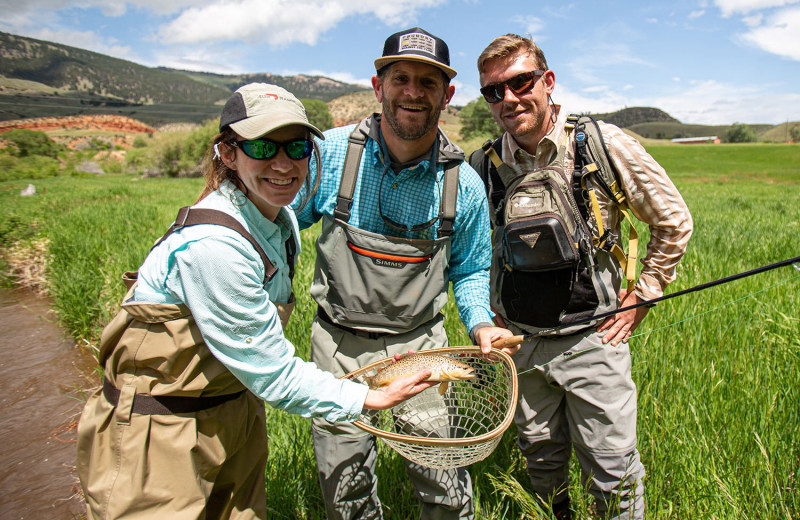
[[456, 429]]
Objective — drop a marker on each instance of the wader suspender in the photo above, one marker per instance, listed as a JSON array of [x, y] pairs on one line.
[[492, 152], [194, 216], [352, 161]]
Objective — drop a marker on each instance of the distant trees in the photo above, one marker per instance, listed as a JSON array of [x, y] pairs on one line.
[[28, 154], [795, 133], [741, 133], [477, 120], [318, 113], [29, 143]]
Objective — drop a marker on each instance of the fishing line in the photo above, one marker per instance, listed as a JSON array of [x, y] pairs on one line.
[[569, 354], [516, 340], [719, 307]]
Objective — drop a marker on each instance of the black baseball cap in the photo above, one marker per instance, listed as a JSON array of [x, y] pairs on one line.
[[416, 45]]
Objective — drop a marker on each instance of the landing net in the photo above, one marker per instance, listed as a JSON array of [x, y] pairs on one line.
[[456, 429]]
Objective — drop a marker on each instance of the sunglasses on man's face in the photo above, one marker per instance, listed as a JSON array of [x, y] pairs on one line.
[[519, 84], [264, 148]]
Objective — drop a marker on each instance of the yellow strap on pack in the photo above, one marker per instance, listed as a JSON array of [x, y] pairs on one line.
[[494, 157], [633, 249], [626, 262]]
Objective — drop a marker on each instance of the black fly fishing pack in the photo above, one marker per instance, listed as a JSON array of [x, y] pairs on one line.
[[544, 240]]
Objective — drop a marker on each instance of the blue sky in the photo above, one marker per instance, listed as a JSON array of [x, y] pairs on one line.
[[702, 61]]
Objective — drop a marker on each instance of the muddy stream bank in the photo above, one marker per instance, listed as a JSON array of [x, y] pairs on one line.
[[42, 375]]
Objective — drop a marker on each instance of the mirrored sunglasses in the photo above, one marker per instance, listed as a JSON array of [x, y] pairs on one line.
[[519, 84], [264, 148]]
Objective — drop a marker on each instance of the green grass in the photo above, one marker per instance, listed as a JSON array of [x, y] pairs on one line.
[[717, 370]]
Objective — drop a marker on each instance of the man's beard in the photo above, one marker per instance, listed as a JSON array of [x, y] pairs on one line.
[[410, 131]]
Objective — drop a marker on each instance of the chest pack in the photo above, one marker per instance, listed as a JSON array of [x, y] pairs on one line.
[[550, 248]]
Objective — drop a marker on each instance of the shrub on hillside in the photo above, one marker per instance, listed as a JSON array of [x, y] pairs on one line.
[[318, 113], [30, 167], [172, 154], [28, 143], [741, 133], [477, 120]]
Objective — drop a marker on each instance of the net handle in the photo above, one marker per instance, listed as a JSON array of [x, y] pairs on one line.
[[498, 355]]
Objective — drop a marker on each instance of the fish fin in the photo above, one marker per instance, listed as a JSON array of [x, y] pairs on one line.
[[443, 388], [369, 380]]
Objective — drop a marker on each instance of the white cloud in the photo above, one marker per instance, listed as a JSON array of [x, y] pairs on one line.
[[753, 21], [279, 22], [778, 34], [602, 100], [464, 93], [345, 77], [729, 7], [697, 102], [711, 103], [531, 24], [112, 8], [594, 62], [590, 90], [697, 14]]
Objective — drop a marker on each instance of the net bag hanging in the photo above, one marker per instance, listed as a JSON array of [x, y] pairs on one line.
[[458, 428]]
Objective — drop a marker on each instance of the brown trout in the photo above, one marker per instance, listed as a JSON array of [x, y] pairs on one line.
[[443, 369]]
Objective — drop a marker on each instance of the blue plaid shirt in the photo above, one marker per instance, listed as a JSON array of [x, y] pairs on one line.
[[410, 197]]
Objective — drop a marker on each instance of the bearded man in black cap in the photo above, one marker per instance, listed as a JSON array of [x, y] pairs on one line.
[[403, 217]]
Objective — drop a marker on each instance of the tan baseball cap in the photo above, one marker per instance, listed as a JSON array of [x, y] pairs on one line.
[[257, 109], [416, 45]]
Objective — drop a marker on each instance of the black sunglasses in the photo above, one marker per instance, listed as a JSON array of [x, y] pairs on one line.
[[264, 148], [519, 84]]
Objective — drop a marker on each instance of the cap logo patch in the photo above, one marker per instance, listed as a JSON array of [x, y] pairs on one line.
[[417, 42]]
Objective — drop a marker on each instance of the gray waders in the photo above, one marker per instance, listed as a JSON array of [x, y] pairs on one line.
[[378, 296]]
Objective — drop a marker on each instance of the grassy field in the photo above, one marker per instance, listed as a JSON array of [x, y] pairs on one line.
[[717, 371]]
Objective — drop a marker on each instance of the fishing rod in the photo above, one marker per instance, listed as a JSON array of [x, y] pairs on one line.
[[516, 340]]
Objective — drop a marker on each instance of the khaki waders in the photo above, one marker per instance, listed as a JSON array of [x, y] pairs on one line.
[[172, 434]]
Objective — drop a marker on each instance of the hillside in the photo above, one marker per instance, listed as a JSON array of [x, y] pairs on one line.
[[351, 108], [630, 117], [77, 70], [301, 85], [45, 79]]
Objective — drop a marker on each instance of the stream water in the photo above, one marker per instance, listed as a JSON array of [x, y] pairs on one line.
[[42, 377]]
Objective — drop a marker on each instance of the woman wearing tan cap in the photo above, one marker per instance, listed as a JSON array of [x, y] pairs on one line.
[[178, 429]]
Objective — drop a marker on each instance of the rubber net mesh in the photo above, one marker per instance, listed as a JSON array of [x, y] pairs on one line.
[[456, 429]]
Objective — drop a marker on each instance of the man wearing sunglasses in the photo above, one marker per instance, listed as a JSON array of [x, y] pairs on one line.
[[576, 391], [403, 216]]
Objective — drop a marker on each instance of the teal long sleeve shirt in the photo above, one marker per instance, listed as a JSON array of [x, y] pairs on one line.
[[218, 274]]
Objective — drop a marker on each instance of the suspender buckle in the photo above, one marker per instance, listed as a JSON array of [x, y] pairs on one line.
[[342, 209]]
